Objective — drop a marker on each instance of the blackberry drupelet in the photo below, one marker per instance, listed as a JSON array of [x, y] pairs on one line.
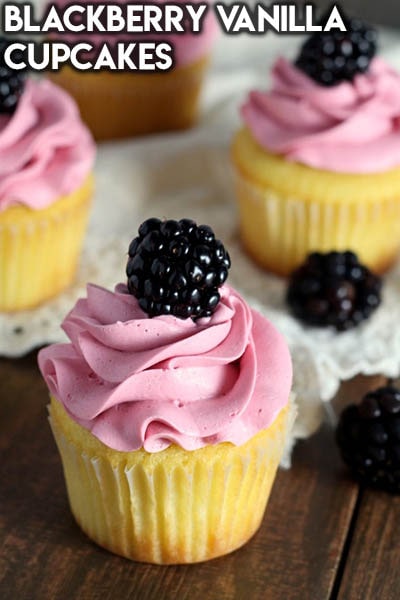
[[333, 289], [335, 56], [11, 83], [368, 436], [176, 267]]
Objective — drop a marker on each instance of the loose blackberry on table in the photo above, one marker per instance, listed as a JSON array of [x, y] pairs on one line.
[[333, 289], [176, 268], [11, 83], [368, 436], [335, 56]]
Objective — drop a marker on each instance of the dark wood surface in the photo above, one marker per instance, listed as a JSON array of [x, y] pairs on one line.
[[322, 537]]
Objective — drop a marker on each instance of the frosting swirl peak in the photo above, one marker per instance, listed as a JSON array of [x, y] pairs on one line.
[[350, 128], [45, 149], [138, 382]]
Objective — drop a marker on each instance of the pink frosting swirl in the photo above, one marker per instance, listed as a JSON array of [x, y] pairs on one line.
[[139, 382], [189, 47], [45, 150], [350, 128]]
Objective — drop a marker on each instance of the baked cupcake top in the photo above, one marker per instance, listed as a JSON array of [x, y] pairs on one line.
[[136, 381], [45, 149], [337, 108]]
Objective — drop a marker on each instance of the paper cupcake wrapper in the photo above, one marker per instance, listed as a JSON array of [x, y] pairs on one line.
[[183, 507], [39, 249], [117, 105], [279, 231]]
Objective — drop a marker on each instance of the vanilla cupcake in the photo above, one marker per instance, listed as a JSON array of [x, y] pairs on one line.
[[318, 158], [46, 160], [170, 429], [125, 104]]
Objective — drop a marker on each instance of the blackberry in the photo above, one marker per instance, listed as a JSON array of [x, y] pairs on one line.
[[11, 83], [176, 267], [333, 289], [335, 56], [368, 436]]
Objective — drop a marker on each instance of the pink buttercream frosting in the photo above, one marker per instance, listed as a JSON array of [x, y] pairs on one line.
[[45, 149], [139, 382], [353, 127], [188, 47]]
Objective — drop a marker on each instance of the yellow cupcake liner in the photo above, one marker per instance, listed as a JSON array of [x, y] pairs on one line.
[[119, 104], [39, 249], [287, 210], [169, 507]]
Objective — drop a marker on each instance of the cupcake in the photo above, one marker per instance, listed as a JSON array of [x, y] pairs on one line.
[[124, 104], [317, 160], [46, 159], [170, 403]]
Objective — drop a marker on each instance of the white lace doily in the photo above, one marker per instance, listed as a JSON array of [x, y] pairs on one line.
[[188, 175]]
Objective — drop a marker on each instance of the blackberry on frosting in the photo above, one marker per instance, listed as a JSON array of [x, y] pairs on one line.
[[176, 268], [335, 56], [11, 83]]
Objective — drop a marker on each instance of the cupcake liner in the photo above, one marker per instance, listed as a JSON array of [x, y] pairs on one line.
[[170, 507], [287, 210], [279, 231], [39, 249], [117, 105]]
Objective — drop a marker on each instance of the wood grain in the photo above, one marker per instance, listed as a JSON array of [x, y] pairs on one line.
[[372, 566], [44, 555]]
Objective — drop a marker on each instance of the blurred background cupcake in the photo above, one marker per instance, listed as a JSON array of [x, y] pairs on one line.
[[124, 104], [46, 160], [318, 157]]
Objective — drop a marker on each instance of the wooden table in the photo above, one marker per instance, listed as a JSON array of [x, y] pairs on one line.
[[322, 536]]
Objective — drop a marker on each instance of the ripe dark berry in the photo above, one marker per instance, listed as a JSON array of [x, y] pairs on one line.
[[368, 436], [335, 56], [11, 83], [333, 289], [176, 267]]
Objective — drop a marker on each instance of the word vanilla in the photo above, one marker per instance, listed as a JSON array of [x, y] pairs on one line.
[[279, 18]]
